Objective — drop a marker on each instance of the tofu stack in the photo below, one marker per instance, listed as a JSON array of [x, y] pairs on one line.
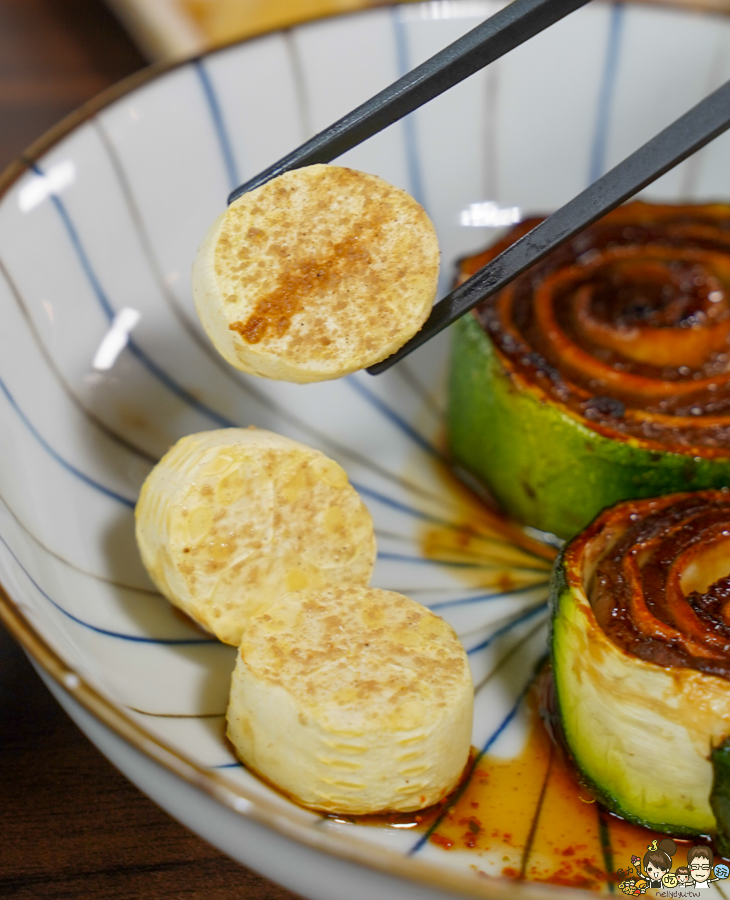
[[349, 699]]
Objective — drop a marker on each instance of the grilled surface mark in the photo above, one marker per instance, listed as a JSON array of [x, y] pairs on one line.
[[628, 324], [318, 273], [662, 590]]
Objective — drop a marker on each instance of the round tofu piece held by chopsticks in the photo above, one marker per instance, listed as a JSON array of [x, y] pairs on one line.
[[229, 520], [319, 272], [352, 700]]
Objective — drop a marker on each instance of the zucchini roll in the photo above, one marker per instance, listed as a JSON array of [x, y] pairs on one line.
[[640, 647], [603, 372]]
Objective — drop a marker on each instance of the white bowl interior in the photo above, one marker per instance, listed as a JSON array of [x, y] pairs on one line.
[[109, 220]]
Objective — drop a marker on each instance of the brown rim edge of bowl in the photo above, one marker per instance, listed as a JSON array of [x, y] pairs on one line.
[[265, 812], [351, 849], [80, 115], [137, 79]]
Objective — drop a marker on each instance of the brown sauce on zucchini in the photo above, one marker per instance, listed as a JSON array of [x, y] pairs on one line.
[[628, 325], [662, 591]]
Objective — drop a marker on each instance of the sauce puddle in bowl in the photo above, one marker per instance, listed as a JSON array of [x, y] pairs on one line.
[[556, 832], [527, 817]]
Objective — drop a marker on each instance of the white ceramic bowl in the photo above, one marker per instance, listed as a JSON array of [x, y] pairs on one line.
[[103, 365]]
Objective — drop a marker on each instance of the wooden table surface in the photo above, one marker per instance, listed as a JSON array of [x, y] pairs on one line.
[[72, 826]]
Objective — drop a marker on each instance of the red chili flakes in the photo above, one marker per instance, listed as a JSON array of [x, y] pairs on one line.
[[442, 841], [463, 538], [592, 868], [506, 583]]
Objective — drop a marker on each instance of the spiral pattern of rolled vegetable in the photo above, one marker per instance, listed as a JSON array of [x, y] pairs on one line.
[[641, 660], [603, 372]]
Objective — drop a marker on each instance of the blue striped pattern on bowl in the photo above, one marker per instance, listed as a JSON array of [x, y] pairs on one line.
[[109, 218]]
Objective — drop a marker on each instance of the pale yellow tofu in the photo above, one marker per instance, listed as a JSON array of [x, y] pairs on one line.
[[317, 273], [352, 700], [229, 520]]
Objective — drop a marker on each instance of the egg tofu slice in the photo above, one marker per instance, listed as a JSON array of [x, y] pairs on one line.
[[228, 520], [352, 700], [319, 272]]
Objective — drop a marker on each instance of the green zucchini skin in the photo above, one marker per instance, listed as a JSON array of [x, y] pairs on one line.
[[541, 463], [641, 735], [605, 790], [720, 796]]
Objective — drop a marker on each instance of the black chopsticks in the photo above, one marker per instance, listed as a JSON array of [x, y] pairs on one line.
[[507, 29], [502, 32], [681, 139]]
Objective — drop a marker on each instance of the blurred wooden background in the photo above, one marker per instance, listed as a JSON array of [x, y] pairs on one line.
[[167, 29], [73, 827]]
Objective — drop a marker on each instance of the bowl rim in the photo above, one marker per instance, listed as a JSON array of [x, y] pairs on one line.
[[87, 110], [293, 822]]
